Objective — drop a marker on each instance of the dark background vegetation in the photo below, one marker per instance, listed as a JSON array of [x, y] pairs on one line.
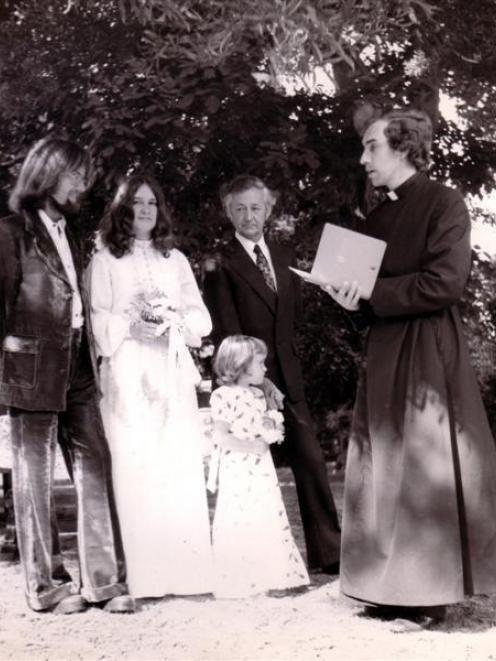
[[197, 91]]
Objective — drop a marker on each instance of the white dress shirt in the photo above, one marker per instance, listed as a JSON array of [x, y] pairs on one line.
[[56, 229], [249, 246]]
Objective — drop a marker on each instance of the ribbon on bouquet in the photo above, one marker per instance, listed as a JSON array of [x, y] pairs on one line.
[[181, 363], [161, 386]]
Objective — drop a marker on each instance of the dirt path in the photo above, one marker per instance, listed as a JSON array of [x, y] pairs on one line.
[[316, 625]]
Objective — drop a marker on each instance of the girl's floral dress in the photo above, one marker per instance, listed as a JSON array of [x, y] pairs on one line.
[[254, 550]]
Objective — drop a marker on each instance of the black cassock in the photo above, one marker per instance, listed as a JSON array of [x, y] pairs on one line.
[[419, 521]]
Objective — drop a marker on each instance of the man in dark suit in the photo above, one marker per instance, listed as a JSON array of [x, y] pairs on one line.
[[252, 291], [47, 382]]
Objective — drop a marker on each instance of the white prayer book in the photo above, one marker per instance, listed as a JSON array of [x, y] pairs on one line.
[[345, 256]]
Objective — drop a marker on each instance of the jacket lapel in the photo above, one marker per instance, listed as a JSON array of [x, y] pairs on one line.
[[44, 245], [76, 254], [283, 274], [245, 268]]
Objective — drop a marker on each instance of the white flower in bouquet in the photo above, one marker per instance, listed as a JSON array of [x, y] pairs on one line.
[[276, 417], [273, 427], [155, 307]]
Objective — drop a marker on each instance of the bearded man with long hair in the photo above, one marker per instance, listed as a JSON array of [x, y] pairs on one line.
[[47, 382]]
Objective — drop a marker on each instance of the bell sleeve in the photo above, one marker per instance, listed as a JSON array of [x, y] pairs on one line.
[[109, 328], [196, 318], [445, 267]]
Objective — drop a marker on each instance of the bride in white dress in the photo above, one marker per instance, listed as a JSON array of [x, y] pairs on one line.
[[145, 309]]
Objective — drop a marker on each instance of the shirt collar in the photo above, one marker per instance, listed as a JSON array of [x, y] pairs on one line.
[[249, 245], [49, 222]]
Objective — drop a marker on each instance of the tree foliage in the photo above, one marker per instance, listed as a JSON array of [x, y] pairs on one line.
[[293, 35], [197, 91]]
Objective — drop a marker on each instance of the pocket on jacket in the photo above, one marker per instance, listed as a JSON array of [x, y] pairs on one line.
[[20, 361]]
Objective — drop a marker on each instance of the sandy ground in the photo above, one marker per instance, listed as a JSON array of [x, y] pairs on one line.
[[316, 625]]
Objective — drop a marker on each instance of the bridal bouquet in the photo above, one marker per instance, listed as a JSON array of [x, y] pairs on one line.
[[155, 307], [269, 428]]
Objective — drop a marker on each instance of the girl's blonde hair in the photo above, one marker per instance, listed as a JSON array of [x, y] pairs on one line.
[[235, 355]]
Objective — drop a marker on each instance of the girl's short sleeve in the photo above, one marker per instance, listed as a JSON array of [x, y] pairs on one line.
[[222, 405]]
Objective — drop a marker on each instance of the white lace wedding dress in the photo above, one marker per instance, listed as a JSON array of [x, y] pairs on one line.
[[151, 419]]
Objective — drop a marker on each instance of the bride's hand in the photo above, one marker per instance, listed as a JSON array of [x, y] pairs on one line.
[[348, 295], [143, 330], [173, 318]]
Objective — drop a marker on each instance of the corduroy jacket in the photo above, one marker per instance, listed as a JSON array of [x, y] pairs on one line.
[[35, 315]]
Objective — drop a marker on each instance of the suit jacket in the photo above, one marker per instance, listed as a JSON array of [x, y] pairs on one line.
[[35, 315], [239, 301]]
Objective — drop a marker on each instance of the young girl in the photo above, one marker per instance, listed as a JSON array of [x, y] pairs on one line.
[[254, 550]]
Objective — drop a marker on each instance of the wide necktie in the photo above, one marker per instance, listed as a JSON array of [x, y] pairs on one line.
[[263, 266]]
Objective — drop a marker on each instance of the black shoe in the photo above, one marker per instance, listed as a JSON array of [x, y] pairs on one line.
[[435, 613], [287, 592], [332, 569], [124, 603], [421, 617], [74, 603], [385, 613]]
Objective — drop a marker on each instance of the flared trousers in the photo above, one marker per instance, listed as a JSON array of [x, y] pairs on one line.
[[79, 432]]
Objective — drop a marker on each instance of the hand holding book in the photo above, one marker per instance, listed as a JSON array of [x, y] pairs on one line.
[[348, 295], [343, 258]]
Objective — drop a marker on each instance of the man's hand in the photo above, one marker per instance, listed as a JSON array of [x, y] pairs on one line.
[[348, 295], [273, 396]]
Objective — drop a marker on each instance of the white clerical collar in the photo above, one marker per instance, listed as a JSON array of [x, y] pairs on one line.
[[249, 245], [392, 195]]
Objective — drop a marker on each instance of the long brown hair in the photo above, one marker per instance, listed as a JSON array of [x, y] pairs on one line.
[[117, 223], [45, 162]]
